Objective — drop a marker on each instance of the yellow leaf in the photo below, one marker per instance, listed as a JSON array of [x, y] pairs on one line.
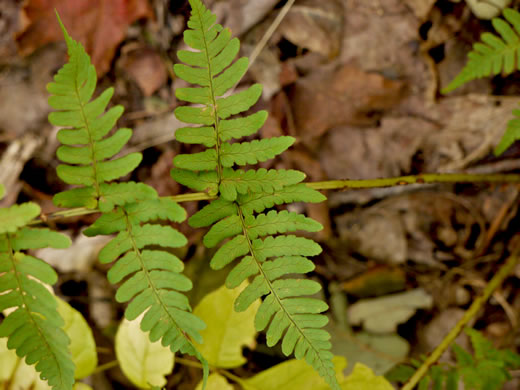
[[143, 362], [227, 331]]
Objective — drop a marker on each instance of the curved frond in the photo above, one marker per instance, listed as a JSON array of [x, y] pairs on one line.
[[150, 275], [33, 326], [88, 150], [496, 53]]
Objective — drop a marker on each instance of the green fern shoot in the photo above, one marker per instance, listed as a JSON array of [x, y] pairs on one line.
[[32, 324], [495, 54], [257, 238], [150, 275]]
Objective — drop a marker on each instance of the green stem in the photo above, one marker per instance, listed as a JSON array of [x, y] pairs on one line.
[[106, 366], [416, 179], [493, 284], [332, 185], [195, 364]]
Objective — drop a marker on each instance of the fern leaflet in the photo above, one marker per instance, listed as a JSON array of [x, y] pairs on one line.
[[495, 54], [33, 327], [87, 124], [267, 256]]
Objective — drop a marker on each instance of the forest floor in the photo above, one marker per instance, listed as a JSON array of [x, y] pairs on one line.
[[357, 83]]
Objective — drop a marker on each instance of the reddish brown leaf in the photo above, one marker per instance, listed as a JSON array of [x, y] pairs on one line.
[[146, 68], [348, 95], [99, 24]]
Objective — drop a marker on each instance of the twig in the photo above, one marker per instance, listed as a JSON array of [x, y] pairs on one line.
[[328, 185], [493, 284], [270, 31]]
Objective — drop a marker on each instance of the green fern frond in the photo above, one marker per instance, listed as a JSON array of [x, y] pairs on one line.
[[497, 53], [34, 327], [87, 151], [151, 276], [267, 257]]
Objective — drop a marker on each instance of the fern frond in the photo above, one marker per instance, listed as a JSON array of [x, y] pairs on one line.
[[151, 276], [87, 149], [286, 313], [495, 54], [34, 327]]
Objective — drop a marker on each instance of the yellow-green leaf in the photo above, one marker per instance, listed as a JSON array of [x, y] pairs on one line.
[[82, 345], [363, 378], [216, 382], [143, 362], [223, 341], [293, 375]]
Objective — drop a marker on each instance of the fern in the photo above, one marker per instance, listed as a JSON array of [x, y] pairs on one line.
[[150, 276], [33, 326], [87, 124], [267, 256], [152, 279], [487, 369], [495, 54]]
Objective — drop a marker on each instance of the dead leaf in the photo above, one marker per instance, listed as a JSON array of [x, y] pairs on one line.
[[376, 281], [348, 95], [145, 66], [315, 25], [395, 309], [99, 24], [421, 8], [244, 14], [377, 235]]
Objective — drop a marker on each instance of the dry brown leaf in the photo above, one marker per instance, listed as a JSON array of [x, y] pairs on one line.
[[146, 68], [315, 25], [99, 24], [348, 95]]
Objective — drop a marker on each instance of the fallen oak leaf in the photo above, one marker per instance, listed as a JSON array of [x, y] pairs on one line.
[[100, 25]]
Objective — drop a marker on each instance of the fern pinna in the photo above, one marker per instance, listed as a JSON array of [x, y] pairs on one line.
[[32, 324], [151, 276], [266, 255]]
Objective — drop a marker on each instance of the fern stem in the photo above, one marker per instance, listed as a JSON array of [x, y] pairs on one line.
[[427, 178], [493, 284], [106, 366], [416, 179], [195, 364]]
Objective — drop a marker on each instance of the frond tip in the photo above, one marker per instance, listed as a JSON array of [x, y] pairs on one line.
[[87, 151]]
